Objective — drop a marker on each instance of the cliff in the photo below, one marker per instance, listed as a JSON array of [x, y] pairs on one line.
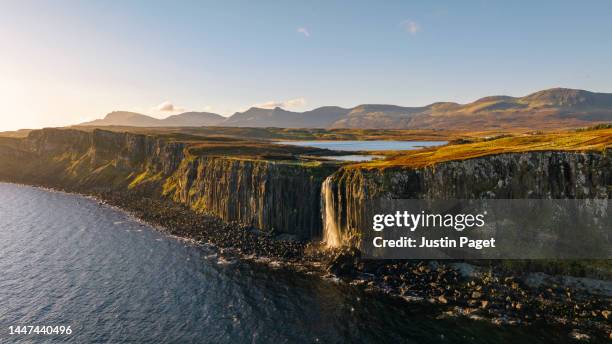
[[280, 196], [272, 196], [271, 188], [548, 175]]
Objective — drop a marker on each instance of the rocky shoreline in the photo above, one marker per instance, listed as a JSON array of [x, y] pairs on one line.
[[480, 293], [489, 294]]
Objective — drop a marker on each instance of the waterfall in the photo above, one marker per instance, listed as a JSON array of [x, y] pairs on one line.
[[331, 233]]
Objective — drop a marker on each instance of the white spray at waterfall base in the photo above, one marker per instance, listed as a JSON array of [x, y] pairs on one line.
[[331, 233]]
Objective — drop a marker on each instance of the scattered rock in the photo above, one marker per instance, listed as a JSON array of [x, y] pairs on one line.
[[345, 262], [579, 336]]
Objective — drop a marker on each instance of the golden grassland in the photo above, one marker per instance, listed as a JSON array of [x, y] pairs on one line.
[[577, 140], [287, 134], [258, 143], [16, 133]]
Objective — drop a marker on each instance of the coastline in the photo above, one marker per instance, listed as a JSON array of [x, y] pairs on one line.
[[459, 288]]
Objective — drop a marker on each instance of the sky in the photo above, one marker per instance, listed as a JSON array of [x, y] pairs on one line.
[[65, 62]]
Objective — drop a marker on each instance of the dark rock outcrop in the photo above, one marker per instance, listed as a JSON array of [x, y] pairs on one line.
[[275, 197]]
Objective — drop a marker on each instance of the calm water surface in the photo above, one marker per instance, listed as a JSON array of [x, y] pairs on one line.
[[354, 146], [353, 157], [67, 260], [365, 145]]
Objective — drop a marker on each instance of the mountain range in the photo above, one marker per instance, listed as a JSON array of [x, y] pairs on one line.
[[133, 119], [552, 108]]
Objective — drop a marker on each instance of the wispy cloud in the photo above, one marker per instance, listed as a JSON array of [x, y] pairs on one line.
[[411, 27], [167, 107], [285, 104], [304, 31]]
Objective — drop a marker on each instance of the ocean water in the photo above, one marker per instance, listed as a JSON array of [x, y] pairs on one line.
[[66, 260]]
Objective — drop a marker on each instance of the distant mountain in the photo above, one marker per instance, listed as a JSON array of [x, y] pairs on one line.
[[125, 118], [256, 117], [552, 108], [132, 119], [192, 119]]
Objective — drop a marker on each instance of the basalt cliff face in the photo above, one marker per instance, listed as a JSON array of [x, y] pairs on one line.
[[274, 196], [306, 200], [548, 175]]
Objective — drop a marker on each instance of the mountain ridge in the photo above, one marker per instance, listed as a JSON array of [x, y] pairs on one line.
[[186, 119], [550, 108]]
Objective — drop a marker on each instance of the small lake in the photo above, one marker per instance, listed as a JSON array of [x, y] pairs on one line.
[[353, 157], [355, 146]]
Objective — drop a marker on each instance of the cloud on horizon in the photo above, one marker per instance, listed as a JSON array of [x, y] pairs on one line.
[[167, 107], [304, 31], [411, 27], [285, 104]]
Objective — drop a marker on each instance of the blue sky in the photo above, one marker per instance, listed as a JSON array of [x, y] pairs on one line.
[[67, 61]]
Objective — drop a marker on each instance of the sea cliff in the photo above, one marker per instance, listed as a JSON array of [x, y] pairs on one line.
[[271, 196], [284, 194], [548, 175], [279, 196]]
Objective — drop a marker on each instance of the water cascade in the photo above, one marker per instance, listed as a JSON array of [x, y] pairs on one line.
[[331, 233]]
